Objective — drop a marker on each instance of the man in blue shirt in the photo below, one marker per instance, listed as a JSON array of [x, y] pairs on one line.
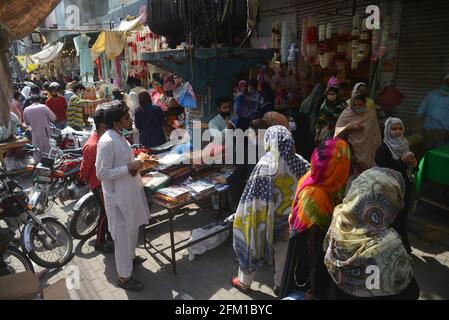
[[435, 109], [219, 123], [436, 105]]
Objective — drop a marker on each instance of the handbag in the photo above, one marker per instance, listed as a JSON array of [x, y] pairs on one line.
[[389, 98]]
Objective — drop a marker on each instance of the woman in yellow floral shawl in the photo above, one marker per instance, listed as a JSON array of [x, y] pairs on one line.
[[365, 256], [261, 220]]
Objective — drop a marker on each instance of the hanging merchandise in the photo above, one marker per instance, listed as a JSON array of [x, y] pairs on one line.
[[82, 50], [375, 44], [285, 41], [291, 60], [304, 39], [137, 43], [90, 94], [276, 40], [322, 45], [117, 71], [364, 43], [355, 35], [109, 42], [279, 83], [312, 40], [105, 67], [341, 42], [384, 37], [329, 31]]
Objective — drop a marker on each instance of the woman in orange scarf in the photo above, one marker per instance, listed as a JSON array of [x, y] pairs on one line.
[[318, 192]]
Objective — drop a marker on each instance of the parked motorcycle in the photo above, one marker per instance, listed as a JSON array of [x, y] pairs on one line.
[[67, 138], [57, 176], [12, 259], [43, 239]]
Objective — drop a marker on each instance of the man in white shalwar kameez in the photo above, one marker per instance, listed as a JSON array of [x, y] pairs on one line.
[[124, 198]]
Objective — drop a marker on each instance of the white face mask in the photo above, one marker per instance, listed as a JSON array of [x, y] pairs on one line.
[[292, 125]]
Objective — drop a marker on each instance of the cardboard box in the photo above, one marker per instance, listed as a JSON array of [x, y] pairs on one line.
[[57, 291], [19, 286]]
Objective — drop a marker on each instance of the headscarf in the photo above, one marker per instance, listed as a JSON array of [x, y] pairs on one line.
[[364, 143], [312, 100], [356, 87], [321, 189], [311, 105], [332, 109], [241, 86], [398, 146], [274, 118], [360, 236], [333, 82], [262, 214], [239, 122]]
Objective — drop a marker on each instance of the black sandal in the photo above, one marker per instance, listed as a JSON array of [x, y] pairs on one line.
[[131, 285]]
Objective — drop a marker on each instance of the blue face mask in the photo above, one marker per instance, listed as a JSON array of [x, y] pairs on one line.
[[125, 132], [359, 110]]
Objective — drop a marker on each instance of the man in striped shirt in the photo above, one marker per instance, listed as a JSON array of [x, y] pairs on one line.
[[75, 109]]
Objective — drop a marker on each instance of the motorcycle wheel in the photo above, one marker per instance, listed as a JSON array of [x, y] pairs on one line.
[[46, 253], [84, 222], [17, 261]]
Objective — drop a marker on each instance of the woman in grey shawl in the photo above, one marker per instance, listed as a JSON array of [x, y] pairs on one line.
[[394, 153]]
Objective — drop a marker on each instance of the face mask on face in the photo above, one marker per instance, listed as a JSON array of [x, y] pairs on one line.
[[292, 125], [225, 114], [359, 110], [125, 132]]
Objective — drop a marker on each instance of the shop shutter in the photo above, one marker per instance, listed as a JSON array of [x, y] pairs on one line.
[[337, 12], [423, 55]]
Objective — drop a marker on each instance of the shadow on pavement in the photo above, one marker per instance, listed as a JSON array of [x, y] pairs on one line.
[[432, 277]]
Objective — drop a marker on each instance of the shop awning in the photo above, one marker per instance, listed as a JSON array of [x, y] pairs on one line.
[[17, 19], [48, 53], [130, 25], [20, 17]]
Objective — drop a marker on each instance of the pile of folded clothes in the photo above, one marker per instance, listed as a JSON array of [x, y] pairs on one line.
[[178, 173], [154, 181], [172, 196], [169, 160], [199, 189], [201, 171], [217, 178]]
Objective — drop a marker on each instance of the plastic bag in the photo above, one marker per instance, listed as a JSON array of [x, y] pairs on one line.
[[185, 96], [389, 98], [207, 244]]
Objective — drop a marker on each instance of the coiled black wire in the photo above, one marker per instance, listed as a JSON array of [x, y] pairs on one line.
[[198, 22]]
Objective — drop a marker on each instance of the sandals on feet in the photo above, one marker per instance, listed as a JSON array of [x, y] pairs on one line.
[[240, 286], [131, 285]]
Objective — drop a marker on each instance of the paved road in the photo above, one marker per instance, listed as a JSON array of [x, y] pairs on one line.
[[208, 276]]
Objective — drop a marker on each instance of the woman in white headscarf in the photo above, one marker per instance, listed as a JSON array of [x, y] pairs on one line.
[[394, 153], [362, 88], [261, 229]]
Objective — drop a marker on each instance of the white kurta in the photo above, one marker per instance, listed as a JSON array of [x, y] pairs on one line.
[[124, 198]]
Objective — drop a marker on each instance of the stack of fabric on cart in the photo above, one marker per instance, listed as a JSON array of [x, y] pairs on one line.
[[153, 181], [199, 189], [202, 171], [172, 196], [178, 173], [217, 178]]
